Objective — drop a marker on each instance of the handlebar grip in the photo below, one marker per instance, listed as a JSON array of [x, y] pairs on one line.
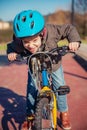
[[18, 57]]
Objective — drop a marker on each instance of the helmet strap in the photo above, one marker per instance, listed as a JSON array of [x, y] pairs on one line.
[[43, 33]]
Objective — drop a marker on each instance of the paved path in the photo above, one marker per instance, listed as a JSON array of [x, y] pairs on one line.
[[13, 80], [82, 52]]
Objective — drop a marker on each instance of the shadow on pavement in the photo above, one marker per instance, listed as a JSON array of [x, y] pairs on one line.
[[5, 62], [82, 62], [75, 75], [13, 109]]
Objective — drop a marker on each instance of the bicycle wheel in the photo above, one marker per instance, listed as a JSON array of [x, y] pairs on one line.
[[43, 115]]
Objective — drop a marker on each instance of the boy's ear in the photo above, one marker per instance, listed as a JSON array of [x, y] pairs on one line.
[[43, 33]]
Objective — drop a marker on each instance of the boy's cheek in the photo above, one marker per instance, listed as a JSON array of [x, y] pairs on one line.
[[25, 46]]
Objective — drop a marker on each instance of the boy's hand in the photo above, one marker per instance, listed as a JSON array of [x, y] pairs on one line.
[[12, 56], [73, 46]]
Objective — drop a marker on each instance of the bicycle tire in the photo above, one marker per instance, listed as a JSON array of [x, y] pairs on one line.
[[43, 115]]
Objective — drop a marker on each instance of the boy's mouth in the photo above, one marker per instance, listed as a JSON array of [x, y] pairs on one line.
[[32, 49]]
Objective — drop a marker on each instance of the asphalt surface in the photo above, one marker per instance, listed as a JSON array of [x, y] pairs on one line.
[[82, 52], [13, 81]]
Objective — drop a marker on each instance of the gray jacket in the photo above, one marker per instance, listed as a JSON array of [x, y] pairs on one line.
[[54, 34]]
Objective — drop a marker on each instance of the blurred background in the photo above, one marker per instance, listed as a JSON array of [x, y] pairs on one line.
[[54, 11], [13, 75]]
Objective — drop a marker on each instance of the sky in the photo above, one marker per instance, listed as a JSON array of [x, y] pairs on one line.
[[9, 8]]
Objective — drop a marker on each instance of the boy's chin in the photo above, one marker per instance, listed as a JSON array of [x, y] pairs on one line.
[[33, 52]]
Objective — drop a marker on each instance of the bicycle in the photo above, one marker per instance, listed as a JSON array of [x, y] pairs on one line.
[[40, 67]]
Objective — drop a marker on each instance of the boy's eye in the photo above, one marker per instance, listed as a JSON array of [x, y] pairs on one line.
[[25, 42], [35, 40]]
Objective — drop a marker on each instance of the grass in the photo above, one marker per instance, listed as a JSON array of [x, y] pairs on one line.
[[65, 42], [62, 43], [84, 41], [3, 47]]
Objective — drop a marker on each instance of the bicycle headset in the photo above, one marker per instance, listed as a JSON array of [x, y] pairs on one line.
[[28, 23]]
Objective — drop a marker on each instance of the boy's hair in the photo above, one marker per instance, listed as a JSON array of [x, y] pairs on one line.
[[28, 23]]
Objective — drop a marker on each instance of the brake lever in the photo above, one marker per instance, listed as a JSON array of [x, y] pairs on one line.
[[65, 50], [19, 58]]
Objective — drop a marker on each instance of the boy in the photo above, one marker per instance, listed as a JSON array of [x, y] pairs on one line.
[[32, 35]]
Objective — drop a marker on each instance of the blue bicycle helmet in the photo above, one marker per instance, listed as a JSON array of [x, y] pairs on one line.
[[28, 23]]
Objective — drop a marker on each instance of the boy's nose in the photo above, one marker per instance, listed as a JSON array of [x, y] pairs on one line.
[[30, 44]]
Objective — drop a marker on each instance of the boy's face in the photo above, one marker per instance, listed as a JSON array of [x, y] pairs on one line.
[[32, 44]]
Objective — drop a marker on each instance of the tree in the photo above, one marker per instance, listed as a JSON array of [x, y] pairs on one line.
[[81, 7], [72, 11]]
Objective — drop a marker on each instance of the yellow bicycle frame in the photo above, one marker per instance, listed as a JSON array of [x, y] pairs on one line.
[[49, 93]]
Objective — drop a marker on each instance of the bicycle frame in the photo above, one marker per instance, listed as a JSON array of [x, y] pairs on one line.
[[46, 91]]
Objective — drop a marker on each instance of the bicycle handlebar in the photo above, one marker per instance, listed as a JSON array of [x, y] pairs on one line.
[[61, 51]]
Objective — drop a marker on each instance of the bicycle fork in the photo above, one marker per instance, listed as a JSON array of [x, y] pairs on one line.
[[47, 92]]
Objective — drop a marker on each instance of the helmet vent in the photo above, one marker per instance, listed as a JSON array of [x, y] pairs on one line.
[[17, 27], [24, 19], [32, 24], [31, 15]]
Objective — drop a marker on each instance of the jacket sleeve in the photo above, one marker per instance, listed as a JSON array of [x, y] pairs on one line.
[[15, 46], [69, 32]]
